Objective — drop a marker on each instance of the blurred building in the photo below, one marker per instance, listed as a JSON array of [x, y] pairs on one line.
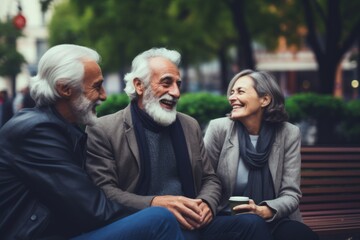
[[296, 71]]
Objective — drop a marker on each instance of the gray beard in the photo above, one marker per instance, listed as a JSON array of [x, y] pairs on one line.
[[83, 107], [152, 107]]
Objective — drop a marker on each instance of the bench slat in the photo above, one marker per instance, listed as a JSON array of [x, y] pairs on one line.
[[333, 181], [336, 165], [337, 218], [330, 198], [343, 150], [330, 157], [336, 221], [335, 190], [327, 206], [330, 213], [330, 183], [329, 173]]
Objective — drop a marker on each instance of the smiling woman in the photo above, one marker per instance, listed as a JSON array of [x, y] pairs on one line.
[[247, 106], [256, 153]]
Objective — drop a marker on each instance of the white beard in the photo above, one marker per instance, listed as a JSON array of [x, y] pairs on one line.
[[152, 107], [83, 109]]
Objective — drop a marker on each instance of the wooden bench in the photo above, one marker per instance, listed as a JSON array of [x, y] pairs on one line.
[[330, 183]]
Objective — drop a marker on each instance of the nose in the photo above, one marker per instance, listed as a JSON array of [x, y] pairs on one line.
[[231, 97], [102, 95], [174, 91]]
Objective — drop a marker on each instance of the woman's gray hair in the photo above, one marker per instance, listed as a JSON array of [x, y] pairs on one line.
[[60, 64], [140, 68], [265, 84]]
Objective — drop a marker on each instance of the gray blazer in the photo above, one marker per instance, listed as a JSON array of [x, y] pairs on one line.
[[222, 146], [113, 160]]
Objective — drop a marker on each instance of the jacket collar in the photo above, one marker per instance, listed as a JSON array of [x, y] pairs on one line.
[[233, 142], [77, 135], [130, 134]]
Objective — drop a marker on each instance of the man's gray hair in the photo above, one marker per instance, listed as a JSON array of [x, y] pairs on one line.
[[60, 64], [140, 68]]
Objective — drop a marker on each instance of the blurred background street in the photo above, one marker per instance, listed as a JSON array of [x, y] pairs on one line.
[[312, 47]]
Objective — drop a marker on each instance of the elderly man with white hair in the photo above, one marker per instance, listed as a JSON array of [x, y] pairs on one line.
[[148, 154], [44, 191]]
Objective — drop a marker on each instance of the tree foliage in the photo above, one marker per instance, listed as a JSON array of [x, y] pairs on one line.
[[119, 30], [333, 27], [10, 59]]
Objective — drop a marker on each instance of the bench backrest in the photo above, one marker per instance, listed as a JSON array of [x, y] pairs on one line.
[[330, 180]]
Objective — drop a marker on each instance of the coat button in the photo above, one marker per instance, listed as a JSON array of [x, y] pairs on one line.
[[33, 217]]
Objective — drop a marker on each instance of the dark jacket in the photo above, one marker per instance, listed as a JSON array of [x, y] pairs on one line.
[[7, 111], [44, 190]]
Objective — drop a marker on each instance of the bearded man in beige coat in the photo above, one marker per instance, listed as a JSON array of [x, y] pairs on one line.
[[148, 154]]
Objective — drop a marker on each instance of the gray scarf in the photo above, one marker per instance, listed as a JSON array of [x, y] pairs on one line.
[[260, 186]]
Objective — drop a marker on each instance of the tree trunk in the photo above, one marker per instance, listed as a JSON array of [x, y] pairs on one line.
[[358, 59], [331, 58], [223, 70], [327, 72], [244, 47], [329, 54]]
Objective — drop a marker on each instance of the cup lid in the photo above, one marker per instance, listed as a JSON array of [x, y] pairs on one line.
[[239, 198]]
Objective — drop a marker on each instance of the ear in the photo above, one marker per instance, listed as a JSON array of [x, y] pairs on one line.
[[63, 90], [139, 86], [265, 100]]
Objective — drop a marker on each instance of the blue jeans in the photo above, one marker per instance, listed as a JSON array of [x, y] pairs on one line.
[[150, 223], [294, 230], [241, 226]]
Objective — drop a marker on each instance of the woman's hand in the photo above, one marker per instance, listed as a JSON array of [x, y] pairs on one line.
[[263, 211]]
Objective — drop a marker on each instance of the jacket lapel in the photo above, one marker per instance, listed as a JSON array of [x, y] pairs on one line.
[[275, 164], [190, 144], [228, 161], [130, 135]]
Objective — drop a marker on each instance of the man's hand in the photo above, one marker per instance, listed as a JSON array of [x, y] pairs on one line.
[[187, 211], [206, 214]]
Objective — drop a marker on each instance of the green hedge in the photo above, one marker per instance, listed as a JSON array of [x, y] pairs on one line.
[[113, 104], [337, 121], [326, 111], [350, 125], [204, 106], [310, 105]]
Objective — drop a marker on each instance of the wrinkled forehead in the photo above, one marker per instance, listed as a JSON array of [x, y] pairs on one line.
[[156, 63], [246, 79], [92, 72], [160, 66]]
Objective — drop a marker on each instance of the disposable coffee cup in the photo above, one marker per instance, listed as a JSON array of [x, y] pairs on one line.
[[237, 200]]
